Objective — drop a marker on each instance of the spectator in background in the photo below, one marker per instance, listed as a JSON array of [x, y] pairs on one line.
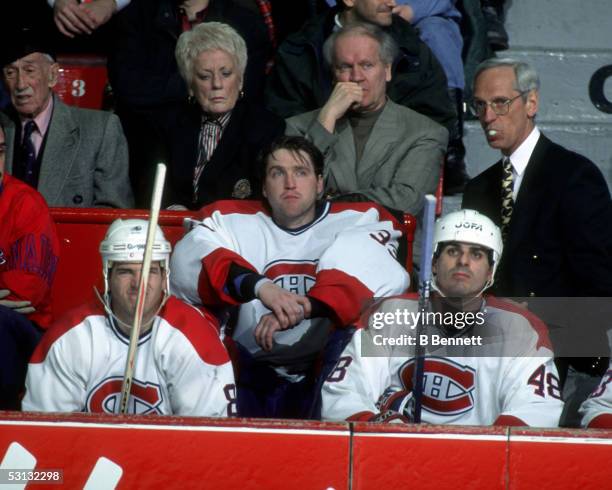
[[437, 23], [300, 80], [144, 75], [74, 157], [374, 149], [553, 207], [213, 142], [29, 251]]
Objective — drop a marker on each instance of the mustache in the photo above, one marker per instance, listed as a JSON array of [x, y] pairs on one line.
[[25, 91]]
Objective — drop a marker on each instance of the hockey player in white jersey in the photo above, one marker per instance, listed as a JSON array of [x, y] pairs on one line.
[[596, 410], [181, 366], [286, 271], [485, 361]]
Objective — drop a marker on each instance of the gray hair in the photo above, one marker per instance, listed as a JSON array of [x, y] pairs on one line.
[[526, 77], [387, 50], [205, 37]]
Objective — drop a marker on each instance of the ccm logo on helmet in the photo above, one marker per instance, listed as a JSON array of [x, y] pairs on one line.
[[447, 386], [145, 398], [469, 225]]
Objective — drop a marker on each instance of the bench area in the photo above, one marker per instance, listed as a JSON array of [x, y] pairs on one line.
[[80, 232]]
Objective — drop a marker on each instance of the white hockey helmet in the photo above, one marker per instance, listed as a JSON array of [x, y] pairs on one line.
[[125, 241], [469, 226]]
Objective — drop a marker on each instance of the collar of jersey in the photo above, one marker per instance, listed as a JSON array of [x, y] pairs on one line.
[[124, 338], [321, 210]]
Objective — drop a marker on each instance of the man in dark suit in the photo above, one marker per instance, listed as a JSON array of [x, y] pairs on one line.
[[552, 204]]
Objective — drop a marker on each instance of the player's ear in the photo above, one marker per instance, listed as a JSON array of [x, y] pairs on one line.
[[320, 185]]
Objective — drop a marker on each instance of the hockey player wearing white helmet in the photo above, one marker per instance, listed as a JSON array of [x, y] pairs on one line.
[[122, 252], [485, 361], [182, 367]]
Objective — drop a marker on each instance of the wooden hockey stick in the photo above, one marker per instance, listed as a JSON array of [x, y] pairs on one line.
[[128, 376], [428, 220]]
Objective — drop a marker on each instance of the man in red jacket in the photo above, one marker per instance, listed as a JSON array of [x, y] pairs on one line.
[[29, 251]]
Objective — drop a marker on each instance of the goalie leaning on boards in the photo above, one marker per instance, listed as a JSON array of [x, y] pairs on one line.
[[509, 380], [182, 367]]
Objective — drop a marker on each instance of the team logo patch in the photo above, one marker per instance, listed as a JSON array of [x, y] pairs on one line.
[[297, 276], [2, 257], [448, 387], [145, 398]]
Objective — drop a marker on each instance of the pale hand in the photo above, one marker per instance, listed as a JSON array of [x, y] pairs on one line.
[[344, 96], [404, 11], [289, 308], [71, 19]]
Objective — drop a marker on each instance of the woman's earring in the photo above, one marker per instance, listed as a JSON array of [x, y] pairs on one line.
[[191, 99], [241, 94]]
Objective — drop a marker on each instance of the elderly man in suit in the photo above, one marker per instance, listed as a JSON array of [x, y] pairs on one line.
[[74, 157], [374, 149], [554, 209]]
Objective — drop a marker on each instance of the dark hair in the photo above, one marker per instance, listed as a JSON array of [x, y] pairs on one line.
[[295, 145]]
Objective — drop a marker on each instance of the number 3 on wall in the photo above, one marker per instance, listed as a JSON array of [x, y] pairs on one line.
[[78, 88]]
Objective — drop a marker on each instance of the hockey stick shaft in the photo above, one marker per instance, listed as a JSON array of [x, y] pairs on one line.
[[128, 376], [428, 220]]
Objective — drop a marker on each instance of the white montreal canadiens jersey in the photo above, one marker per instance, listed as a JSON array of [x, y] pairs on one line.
[[465, 389], [596, 410], [182, 367], [343, 258]]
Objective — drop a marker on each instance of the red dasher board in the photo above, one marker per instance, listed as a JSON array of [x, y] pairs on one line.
[[128, 452]]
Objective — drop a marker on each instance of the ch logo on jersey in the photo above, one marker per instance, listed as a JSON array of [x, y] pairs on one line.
[[447, 386], [2, 257], [145, 398], [297, 276]]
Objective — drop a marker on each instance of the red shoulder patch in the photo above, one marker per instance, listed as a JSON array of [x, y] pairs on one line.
[[199, 326], [538, 325]]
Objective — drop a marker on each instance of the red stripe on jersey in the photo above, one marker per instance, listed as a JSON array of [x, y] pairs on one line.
[[62, 325], [361, 417], [345, 295], [364, 319], [237, 206], [602, 421], [538, 325], [285, 269], [200, 328], [509, 420], [213, 276]]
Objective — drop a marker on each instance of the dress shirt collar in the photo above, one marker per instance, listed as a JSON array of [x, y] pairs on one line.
[[42, 120], [520, 157]]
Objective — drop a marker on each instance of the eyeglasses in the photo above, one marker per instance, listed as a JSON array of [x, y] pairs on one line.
[[501, 107]]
